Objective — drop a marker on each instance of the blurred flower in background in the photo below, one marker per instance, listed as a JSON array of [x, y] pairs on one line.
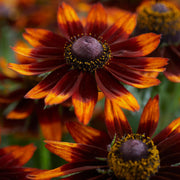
[[12, 158], [121, 154], [163, 17], [89, 59], [24, 115], [32, 13]]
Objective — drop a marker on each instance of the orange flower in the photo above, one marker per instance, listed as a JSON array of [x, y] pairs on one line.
[[85, 60], [163, 18], [12, 158], [121, 154]]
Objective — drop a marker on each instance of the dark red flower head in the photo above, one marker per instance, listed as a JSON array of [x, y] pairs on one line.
[[122, 154]]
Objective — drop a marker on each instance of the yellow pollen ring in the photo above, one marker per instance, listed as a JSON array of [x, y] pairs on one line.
[[84, 64], [166, 23], [134, 170]]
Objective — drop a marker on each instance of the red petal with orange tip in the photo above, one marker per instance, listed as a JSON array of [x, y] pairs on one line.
[[172, 129], [64, 89], [141, 45], [42, 37], [87, 135], [129, 76], [50, 123], [116, 121], [23, 109], [41, 52], [68, 21], [15, 173], [114, 91], [36, 68], [44, 87], [16, 156], [96, 21], [154, 64], [73, 152], [85, 98], [150, 117], [121, 29], [70, 168], [172, 72]]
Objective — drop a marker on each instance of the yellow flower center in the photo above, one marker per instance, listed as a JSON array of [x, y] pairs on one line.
[[162, 18], [86, 53], [134, 157]]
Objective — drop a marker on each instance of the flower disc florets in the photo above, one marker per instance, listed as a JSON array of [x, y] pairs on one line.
[[134, 157], [162, 18], [87, 53]]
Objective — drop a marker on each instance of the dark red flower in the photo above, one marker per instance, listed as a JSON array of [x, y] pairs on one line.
[[163, 18], [85, 60], [121, 154]]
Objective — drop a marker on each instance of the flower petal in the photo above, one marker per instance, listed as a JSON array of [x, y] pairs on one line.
[[131, 77], [121, 29], [64, 89], [170, 145], [173, 68], [141, 45], [172, 129], [73, 152], [69, 23], [67, 169], [86, 175], [13, 96], [42, 37], [158, 177], [85, 98], [169, 172], [114, 91], [15, 173], [23, 109], [96, 21], [170, 159], [154, 64], [16, 156], [116, 121], [150, 117], [87, 135], [50, 123], [36, 68], [56, 53], [175, 170], [44, 87]]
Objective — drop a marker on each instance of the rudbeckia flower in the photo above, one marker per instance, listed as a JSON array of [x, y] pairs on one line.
[[12, 158], [23, 116], [83, 60], [160, 17], [163, 18], [122, 154]]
